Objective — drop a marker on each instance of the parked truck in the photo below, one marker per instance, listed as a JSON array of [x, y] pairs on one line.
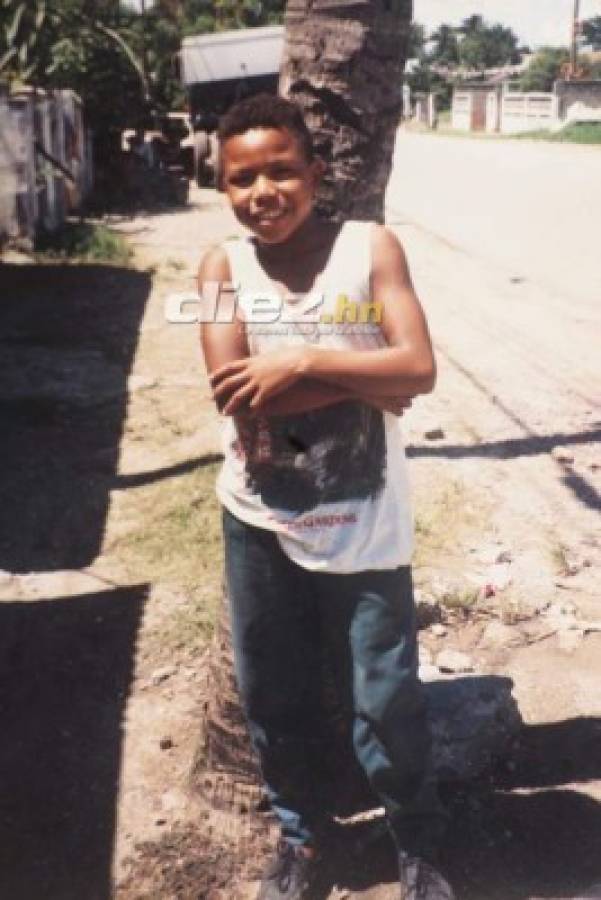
[[216, 71]]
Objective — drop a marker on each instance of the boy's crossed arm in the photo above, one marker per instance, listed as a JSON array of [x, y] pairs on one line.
[[296, 379], [224, 343]]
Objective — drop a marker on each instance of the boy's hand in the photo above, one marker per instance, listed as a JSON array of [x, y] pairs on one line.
[[247, 383]]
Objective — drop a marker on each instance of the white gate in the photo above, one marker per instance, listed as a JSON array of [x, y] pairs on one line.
[[493, 112], [528, 112], [461, 111]]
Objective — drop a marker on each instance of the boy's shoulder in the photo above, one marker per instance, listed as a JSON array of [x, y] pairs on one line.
[[376, 232], [383, 243], [386, 247], [214, 264], [221, 252]]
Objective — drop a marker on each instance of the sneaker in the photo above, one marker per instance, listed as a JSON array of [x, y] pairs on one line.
[[290, 875], [421, 881]]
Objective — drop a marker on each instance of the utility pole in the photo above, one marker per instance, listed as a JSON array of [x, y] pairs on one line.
[[575, 33]]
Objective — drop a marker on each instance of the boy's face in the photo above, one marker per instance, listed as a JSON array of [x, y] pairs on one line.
[[269, 181]]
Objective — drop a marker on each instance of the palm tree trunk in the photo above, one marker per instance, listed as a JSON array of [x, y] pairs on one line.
[[343, 64]]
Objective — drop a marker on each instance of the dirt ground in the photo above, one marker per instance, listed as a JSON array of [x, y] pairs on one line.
[[110, 559]]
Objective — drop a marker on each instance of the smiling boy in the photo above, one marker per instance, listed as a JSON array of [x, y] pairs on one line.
[[316, 517]]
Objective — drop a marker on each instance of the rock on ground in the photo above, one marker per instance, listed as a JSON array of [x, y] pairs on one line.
[[474, 720]]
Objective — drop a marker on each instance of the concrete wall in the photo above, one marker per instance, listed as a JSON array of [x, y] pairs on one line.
[[18, 176], [528, 112], [8, 174], [579, 100], [45, 161]]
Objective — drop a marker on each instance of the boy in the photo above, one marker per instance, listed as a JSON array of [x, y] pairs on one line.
[[316, 517]]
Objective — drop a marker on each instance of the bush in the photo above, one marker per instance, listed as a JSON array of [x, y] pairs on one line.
[[84, 241], [544, 69]]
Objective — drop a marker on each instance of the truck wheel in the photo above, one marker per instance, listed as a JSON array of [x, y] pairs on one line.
[[202, 151], [186, 160], [212, 162]]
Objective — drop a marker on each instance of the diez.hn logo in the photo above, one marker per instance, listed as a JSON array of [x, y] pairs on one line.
[[222, 302]]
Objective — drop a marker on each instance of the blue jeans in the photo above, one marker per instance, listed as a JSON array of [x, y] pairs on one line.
[[281, 613]]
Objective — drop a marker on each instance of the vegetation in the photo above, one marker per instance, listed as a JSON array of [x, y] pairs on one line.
[[176, 541], [118, 59], [475, 44], [544, 69], [444, 46], [84, 242], [199, 16], [484, 46], [591, 32], [427, 80], [577, 133]]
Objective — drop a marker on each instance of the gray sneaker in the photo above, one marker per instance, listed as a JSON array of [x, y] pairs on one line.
[[421, 881], [290, 875]]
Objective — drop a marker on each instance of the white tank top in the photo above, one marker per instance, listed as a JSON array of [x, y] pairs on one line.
[[332, 482]]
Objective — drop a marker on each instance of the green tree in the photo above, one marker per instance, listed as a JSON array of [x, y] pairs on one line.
[[118, 61], [487, 46], [427, 80], [544, 69], [204, 16], [417, 41], [444, 46], [475, 44], [472, 25], [591, 32]]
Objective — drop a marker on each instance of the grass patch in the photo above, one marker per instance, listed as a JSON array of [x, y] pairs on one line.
[[84, 242], [560, 558], [176, 542], [178, 265], [584, 133], [441, 512], [461, 597], [449, 519]]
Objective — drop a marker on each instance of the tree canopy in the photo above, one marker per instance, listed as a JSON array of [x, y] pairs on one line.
[[486, 46], [444, 46], [544, 69], [475, 44], [591, 32], [118, 59]]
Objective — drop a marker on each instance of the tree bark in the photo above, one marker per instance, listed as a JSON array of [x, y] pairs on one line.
[[343, 64]]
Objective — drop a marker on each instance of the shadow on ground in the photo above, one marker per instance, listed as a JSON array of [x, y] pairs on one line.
[[514, 448], [65, 670], [67, 339], [527, 833]]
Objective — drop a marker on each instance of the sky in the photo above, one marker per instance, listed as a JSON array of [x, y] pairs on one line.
[[536, 22]]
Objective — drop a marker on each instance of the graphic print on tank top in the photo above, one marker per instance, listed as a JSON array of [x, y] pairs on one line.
[[329, 455]]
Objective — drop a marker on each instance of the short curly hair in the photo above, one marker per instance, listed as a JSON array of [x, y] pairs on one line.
[[267, 111]]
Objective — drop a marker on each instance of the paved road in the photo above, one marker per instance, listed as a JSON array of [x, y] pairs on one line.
[[531, 208], [503, 242]]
